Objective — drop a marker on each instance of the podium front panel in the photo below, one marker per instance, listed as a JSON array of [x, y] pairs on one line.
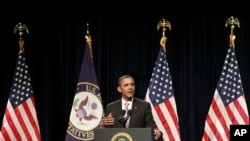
[[123, 134]]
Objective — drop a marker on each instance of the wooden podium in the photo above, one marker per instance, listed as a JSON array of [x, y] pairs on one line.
[[123, 134]]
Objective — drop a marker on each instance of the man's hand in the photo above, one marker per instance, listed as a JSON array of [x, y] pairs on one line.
[[157, 134], [108, 120]]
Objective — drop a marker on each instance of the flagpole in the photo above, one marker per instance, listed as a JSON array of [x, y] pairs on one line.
[[164, 24], [163, 105], [21, 28], [228, 107], [89, 40], [87, 109], [232, 21], [20, 120]]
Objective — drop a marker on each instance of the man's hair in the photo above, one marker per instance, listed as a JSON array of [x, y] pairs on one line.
[[122, 77]]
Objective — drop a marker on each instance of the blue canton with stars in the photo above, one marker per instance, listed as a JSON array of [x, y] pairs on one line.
[[21, 88], [229, 85], [160, 87]]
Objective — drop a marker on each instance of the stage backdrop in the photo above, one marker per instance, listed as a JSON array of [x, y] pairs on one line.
[[196, 48]]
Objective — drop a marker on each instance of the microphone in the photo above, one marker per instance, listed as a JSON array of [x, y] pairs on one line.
[[120, 118], [129, 113], [121, 115], [123, 119]]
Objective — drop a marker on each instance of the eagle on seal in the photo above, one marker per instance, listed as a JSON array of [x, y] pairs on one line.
[[84, 110]]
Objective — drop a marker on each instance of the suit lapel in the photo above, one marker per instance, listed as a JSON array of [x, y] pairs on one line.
[[134, 113]]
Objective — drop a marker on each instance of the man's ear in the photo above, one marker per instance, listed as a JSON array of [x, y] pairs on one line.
[[119, 89]]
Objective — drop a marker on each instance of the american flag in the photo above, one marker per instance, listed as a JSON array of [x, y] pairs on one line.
[[160, 94], [228, 104], [20, 121]]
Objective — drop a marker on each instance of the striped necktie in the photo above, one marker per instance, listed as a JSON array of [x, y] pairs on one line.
[[126, 114], [126, 109]]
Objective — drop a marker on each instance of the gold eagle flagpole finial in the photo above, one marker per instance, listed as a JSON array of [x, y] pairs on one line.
[[21, 28], [163, 24], [88, 39], [232, 21]]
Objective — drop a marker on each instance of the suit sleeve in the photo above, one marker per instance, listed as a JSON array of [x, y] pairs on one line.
[[149, 119]]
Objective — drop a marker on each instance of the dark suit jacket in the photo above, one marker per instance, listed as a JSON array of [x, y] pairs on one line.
[[141, 114]]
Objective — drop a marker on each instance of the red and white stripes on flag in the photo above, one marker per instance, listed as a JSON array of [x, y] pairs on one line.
[[228, 105], [160, 94], [20, 121]]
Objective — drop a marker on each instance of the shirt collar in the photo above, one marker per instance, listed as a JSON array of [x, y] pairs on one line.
[[130, 103]]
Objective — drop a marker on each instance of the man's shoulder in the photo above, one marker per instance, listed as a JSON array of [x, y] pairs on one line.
[[118, 101], [141, 101]]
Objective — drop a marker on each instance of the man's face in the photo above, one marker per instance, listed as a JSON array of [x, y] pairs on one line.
[[127, 88]]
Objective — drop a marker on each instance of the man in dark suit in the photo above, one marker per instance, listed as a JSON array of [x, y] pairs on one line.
[[137, 114]]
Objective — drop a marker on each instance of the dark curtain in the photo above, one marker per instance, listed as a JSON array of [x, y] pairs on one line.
[[196, 49]]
